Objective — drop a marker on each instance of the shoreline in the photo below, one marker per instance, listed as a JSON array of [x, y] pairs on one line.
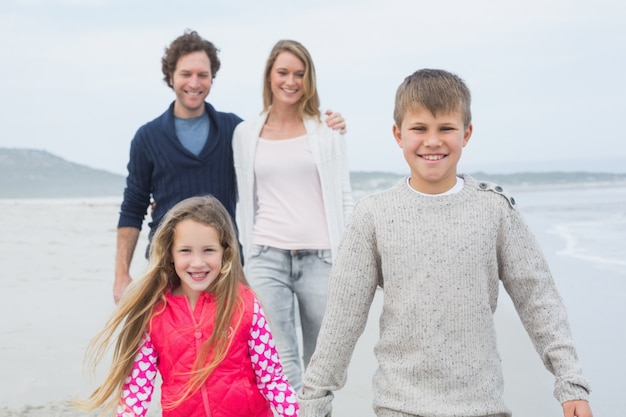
[[58, 261]]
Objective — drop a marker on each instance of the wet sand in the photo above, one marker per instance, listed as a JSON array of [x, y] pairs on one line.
[[56, 258]]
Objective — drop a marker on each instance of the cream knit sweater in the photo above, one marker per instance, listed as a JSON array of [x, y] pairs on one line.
[[440, 260]]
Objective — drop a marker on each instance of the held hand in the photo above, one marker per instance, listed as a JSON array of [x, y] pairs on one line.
[[336, 121], [121, 282], [578, 408]]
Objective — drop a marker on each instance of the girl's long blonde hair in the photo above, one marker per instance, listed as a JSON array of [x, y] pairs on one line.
[[138, 305]]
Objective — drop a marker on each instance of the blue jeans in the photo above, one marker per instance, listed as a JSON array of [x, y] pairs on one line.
[[277, 275]]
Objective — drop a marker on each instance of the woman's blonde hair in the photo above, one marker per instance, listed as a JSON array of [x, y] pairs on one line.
[[145, 298], [310, 102]]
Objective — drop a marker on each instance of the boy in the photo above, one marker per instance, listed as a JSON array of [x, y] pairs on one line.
[[439, 244]]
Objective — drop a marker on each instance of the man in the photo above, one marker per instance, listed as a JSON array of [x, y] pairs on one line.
[[186, 151]]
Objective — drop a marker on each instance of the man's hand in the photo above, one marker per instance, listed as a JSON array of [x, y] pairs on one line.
[[578, 408], [335, 121], [126, 243], [121, 282]]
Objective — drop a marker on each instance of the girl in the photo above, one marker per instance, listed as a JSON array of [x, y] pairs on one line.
[[294, 199], [193, 317]]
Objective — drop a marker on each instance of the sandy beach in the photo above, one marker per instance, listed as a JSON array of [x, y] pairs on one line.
[[57, 262]]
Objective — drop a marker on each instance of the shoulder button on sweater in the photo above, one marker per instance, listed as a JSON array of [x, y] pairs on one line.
[[487, 186]]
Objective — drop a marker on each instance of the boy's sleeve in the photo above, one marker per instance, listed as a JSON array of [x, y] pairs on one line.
[[271, 381], [528, 281], [139, 385], [353, 281]]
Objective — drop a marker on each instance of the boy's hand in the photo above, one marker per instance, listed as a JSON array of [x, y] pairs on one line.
[[578, 408], [335, 121]]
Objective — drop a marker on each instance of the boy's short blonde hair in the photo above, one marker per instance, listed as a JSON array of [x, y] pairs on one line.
[[437, 90]]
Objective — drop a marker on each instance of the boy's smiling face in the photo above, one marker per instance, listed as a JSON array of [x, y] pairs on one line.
[[432, 147]]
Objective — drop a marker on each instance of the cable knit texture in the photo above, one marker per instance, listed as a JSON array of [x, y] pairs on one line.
[[329, 153], [162, 168], [440, 260]]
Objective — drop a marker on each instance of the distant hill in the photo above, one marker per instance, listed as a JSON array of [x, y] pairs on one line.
[[29, 173], [551, 179], [365, 182]]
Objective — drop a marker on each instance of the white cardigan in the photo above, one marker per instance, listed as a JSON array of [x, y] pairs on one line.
[[329, 153]]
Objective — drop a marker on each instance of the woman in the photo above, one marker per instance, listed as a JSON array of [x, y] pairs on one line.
[[294, 199]]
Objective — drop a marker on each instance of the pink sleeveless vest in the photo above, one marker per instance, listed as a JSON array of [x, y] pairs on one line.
[[177, 334]]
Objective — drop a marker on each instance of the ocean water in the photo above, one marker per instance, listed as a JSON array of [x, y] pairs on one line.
[[589, 218], [69, 252], [582, 231], [590, 222]]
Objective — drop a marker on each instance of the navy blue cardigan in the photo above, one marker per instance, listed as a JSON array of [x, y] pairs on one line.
[[161, 167]]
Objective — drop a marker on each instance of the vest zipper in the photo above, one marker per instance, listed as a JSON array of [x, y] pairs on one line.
[[197, 334]]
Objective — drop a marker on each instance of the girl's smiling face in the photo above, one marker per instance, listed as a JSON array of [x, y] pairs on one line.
[[197, 254]]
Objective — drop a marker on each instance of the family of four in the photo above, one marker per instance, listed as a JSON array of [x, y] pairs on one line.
[[252, 220]]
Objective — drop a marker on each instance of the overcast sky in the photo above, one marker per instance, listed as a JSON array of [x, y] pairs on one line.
[[547, 76]]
